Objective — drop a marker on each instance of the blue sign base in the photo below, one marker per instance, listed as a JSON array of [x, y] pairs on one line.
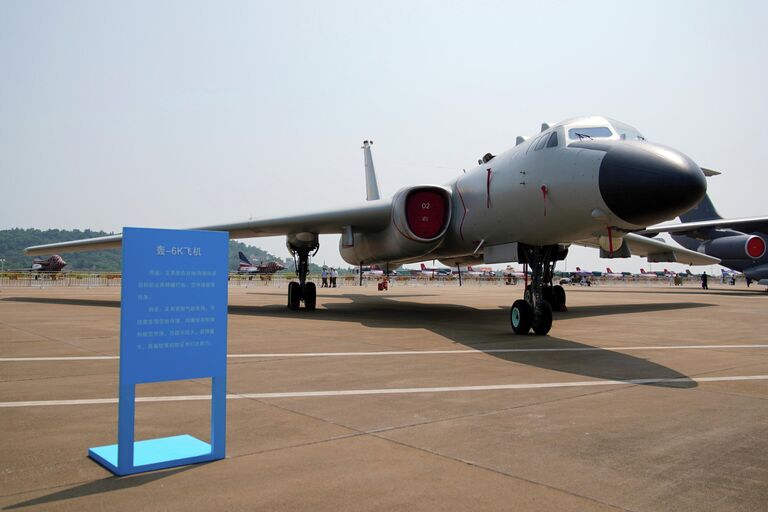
[[152, 454]]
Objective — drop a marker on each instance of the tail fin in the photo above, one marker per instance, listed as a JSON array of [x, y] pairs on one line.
[[371, 184], [705, 210], [469, 268], [243, 259], [642, 271], [609, 270], [578, 269], [423, 267]]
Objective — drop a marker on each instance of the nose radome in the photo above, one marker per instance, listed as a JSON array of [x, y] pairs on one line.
[[645, 183]]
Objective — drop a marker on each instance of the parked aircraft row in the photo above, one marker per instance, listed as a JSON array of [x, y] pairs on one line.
[[591, 181]]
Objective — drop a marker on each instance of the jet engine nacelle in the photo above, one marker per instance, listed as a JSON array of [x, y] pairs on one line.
[[735, 247], [420, 218]]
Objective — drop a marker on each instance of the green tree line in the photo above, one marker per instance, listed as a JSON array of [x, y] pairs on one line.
[[13, 242]]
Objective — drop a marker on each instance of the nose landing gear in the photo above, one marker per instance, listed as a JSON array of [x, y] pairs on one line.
[[534, 311], [302, 291]]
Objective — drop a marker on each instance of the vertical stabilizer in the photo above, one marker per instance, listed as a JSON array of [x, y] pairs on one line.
[[371, 184], [705, 210]]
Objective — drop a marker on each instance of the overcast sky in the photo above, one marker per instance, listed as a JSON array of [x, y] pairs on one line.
[[178, 114]]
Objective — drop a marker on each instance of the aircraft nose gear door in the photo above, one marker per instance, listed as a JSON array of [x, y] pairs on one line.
[[534, 311], [301, 246]]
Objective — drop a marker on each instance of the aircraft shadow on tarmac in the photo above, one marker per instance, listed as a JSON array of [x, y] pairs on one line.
[[101, 486], [474, 328]]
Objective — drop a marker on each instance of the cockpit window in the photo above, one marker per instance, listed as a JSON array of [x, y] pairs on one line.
[[552, 140], [593, 132], [626, 132], [541, 142]]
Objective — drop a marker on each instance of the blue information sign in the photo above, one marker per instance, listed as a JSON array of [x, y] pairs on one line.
[[173, 326]]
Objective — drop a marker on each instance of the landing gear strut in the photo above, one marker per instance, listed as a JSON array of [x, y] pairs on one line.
[[534, 311], [302, 291]]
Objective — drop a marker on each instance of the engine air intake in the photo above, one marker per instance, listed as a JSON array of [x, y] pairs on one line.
[[755, 247], [425, 212]]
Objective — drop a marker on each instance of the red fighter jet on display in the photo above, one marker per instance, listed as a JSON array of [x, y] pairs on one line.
[[53, 264], [590, 181], [246, 267]]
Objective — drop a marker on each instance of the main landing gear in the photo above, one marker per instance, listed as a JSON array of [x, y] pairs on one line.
[[302, 291], [534, 310]]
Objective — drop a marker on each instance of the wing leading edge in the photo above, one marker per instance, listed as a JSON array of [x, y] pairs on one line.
[[745, 225], [658, 251], [371, 216]]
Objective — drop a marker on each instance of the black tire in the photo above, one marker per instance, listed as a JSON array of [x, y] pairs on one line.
[[294, 295], [542, 322], [521, 316], [559, 295], [547, 294], [310, 296]]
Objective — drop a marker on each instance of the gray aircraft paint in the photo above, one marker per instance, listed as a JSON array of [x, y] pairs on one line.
[[500, 201]]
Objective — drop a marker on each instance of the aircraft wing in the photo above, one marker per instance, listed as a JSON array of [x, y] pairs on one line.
[[659, 251], [746, 225], [370, 216]]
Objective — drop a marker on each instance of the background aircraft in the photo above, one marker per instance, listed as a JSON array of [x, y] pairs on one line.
[[510, 271], [647, 275], [375, 271], [591, 181], [612, 275], [53, 264], [587, 273], [434, 271], [738, 243], [246, 267]]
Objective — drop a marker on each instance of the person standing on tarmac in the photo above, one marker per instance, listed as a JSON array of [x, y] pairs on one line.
[[334, 275], [704, 281], [324, 276]]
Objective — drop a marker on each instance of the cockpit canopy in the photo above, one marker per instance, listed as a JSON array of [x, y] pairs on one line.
[[590, 128]]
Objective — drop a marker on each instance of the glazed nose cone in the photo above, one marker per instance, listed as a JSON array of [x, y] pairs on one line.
[[645, 183]]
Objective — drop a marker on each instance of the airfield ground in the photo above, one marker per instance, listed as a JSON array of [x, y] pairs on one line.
[[551, 430]]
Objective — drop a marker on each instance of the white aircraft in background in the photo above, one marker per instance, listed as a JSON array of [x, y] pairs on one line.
[[434, 271], [510, 271], [586, 273], [486, 271], [610, 274], [478, 272], [373, 271], [646, 275], [591, 181]]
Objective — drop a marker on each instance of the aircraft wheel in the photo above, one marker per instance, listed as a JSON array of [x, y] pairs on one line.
[[310, 296], [558, 292], [548, 294], [520, 316], [542, 323], [294, 295]]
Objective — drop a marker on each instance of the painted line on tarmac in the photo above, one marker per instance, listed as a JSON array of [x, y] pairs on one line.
[[391, 391], [405, 352]]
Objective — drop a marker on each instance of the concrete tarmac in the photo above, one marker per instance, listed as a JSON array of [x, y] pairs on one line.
[[643, 398]]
